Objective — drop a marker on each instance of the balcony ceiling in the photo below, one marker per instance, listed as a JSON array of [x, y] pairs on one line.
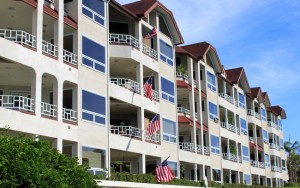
[[123, 68], [121, 108]]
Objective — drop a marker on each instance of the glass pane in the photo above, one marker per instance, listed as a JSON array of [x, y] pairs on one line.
[[169, 127], [167, 86], [95, 5], [93, 103], [93, 50], [166, 49], [94, 158]]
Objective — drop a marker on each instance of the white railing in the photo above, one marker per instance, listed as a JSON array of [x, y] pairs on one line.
[[261, 164], [183, 110], [226, 97], [239, 159], [206, 150], [155, 137], [272, 124], [155, 95], [19, 36], [187, 146], [238, 131], [257, 115], [251, 139], [236, 103], [284, 168], [126, 131], [231, 157], [124, 39], [182, 75], [69, 57], [254, 163], [49, 48], [274, 146], [48, 109], [250, 112], [69, 115], [228, 126], [149, 51], [276, 168], [199, 149], [127, 83], [16, 102]]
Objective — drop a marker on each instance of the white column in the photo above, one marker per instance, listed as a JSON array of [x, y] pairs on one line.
[[230, 180], [141, 122], [58, 144], [142, 164], [37, 25], [59, 29], [58, 98], [138, 33], [36, 92], [255, 142], [195, 172], [140, 77], [192, 101], [226, 118]]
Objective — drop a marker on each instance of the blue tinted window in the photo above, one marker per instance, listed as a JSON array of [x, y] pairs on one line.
[[245, 153], [267, 160], [263, 114], [266, 136], [211, 81], [166, 52], [169, 130], [94, 9], [173, 166], [93, 107], [281, 143], [167, 88], [244, 128], [241, 100], [93, 55], [247, 179], [215, 145], [213, 110]]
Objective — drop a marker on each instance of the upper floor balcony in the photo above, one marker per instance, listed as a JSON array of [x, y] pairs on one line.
[[272, 124]]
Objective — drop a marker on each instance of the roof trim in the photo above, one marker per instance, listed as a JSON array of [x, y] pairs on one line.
[[123, 9]]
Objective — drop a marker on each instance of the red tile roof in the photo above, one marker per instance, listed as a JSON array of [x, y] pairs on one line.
[[266, 98], [143, 7], [184, 119], [122, 9], [199, 50], [183, 84], [255, 91], [234, 75], [278, 111], [180, 50]]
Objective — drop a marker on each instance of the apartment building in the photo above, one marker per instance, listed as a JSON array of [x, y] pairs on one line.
[[72, 73]]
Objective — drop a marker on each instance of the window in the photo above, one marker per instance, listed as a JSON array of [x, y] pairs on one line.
[[216, 175], [215, 144], [245, 154], [267, 160], [203, 105], [266, 136], [93, 55], [211, 81], [93, 157], [173, 166], [95, 10], [167, 90], [163, 27], [93, 108], [241, 100], [281, 143], [263, 114], [247, 179], [244, 128], [213, 111], [166, 52], [279, 125], [169, 129]]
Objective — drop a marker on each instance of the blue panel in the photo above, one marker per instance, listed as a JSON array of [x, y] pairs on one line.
[[214, 141], [243, 123], [167, 86], [87, 62], [166, 49], [96, 5], [213, 108], [87, 116], [245, 151], [100, 120], [87, 13], [169, 127], [99, 20], [93, 50], [93, 103]]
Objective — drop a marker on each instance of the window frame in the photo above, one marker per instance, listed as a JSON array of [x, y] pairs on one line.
[[164, 55], [242, 104], [249, 175], [267, 163], [217, 169], [167, 134], [245, 158], [279, 124], [210, 85], [266, 140], [263, 116], [244, 130], [165, 93], [93, 113], [170, 162], [211, 115], [94, 147], [87, 57], [167, 26], [95, 13], [213, 149]]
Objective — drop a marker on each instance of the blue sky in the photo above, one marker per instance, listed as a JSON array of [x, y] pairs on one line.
[[261, 36]]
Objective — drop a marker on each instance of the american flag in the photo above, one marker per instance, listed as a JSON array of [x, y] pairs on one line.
[[154, 125], [148, 88], [152, 33], [164, 173]]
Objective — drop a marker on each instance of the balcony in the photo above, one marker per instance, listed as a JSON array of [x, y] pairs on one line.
[[276, 168], [49, 49], [187, 146], [250, 112], [127, 83], [204, 151], [155, 137], [257, 115], [229, 127], [70, 57], [227, 97], [69, 115], [19, 103], [182, 76], [183, 111], [18, 36], [261, 164], [127, 131], [254, 163], [155, 95], [124, 39], [230, 157], [48, 110], [272, 124], [274, 146], [251, 139]]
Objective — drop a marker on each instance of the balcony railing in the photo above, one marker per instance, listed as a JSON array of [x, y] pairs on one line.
[[182, 75], [149, 51], [16, 103], [254, 163], [261, 164], [69, 115], [272, 124], [155, 95], [18, 36], [124, 39], [155, 137], [49, 48], [230, 157], [226, 97], [251, 139], [257, 115], [250, 112], [187, 146], [239, 159], [127, 83], [206, 150], [69, 57], [228, 126], [276, 168], [128, 131], [183, 110], [49, 110], [274, 146]]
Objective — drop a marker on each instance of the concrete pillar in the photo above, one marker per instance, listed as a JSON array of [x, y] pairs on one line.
[[37, 25], [58, 144], [230, 180], [140, 120], [238, 177], [195, 172], [59, 29], [36, 92], [58, 97], [226, 118], [228, 147], [142, 164], [140, 77], [255, 141]]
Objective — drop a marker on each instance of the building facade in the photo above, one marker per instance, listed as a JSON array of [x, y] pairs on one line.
[[72, 73]]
